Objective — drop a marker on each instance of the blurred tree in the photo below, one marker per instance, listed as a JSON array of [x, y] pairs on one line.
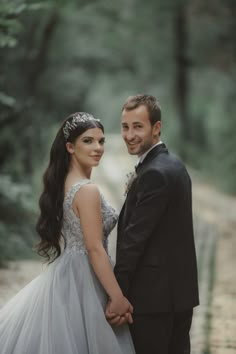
[[182, 74], [16, 224], [63, 56], [212, 50]]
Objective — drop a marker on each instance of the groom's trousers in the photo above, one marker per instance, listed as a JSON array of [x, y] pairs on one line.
[[163, 333]]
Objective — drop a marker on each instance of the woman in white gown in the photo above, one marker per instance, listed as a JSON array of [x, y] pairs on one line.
[[62, 310]]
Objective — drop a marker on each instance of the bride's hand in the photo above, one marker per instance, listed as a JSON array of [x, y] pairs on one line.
[[120, 305], [119, 311]]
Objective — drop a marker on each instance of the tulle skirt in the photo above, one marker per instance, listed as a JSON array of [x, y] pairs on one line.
[[62, 312]]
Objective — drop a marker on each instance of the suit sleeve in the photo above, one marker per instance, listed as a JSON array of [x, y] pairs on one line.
[[152, 199]]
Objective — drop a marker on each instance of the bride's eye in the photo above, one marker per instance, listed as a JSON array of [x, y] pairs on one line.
[[87, 141], [102, 141]]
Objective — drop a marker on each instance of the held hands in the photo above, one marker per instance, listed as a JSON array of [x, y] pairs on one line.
[[119, 311]]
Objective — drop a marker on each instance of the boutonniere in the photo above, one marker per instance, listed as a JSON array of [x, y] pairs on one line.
[[130, 179]]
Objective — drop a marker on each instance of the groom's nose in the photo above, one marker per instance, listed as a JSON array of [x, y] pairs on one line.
[[129, 135]]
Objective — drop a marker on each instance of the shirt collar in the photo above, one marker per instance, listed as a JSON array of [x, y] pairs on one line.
[[142, 157]]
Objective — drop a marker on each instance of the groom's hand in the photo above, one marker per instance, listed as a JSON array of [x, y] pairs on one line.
[[116, 319]]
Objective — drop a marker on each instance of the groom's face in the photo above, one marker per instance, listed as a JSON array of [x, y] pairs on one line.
[[137, 131]]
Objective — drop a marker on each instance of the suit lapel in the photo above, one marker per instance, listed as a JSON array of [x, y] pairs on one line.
[[158, 149], [122, 214]]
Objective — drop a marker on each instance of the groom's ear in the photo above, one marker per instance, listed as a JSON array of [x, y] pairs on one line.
[[70, 148], [156, 129]]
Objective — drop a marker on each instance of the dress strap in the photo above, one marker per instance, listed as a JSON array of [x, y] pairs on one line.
[[73, 189]]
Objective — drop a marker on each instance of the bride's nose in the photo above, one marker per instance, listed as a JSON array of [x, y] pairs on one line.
[[98, 146]]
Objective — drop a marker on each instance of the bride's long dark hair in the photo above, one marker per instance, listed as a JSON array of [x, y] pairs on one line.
[[49, 223]]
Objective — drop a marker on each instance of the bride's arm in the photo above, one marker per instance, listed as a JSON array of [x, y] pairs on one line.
[[87, 205]]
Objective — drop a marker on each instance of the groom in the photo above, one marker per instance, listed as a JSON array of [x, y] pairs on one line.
[[156, 261]]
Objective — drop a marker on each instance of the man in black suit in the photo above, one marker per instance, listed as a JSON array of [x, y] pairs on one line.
[[156, 260]]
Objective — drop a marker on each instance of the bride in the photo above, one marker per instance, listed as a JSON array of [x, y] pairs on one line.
[[62, 310]]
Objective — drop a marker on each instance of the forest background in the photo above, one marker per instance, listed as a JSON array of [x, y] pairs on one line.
[[58, 57]]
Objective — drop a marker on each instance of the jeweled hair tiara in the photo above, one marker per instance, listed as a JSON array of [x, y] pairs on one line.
[[81, 117]]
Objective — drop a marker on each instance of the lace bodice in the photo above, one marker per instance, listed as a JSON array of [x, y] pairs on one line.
[[71, 228]]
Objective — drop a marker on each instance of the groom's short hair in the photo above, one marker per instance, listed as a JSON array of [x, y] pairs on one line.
[[149, 101]]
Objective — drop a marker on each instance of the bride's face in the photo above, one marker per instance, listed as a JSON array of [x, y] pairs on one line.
[[88, 148]]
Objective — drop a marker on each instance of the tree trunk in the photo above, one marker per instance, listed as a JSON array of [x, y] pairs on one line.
[[35, 70], [182, 78]]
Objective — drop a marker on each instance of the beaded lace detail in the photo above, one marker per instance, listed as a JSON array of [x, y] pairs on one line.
[[71, 228]]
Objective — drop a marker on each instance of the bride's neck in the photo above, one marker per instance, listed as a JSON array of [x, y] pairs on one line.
[[79, 172]]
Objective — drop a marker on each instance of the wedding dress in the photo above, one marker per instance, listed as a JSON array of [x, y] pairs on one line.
[[62, 310]]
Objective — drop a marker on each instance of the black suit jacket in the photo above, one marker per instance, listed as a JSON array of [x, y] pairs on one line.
[[156, 260]]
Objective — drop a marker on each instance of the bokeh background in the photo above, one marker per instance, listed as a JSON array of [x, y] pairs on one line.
[[58, 57]]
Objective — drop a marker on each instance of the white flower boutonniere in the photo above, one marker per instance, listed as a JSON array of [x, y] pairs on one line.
[[130, 179]]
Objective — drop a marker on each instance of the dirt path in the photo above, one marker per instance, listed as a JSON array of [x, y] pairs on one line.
[[17, 275], [219, 211]]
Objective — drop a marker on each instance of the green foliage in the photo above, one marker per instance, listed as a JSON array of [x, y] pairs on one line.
[[10, 20], [6, 100]]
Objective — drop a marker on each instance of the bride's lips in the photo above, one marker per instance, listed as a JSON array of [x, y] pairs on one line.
[[96, 157]]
